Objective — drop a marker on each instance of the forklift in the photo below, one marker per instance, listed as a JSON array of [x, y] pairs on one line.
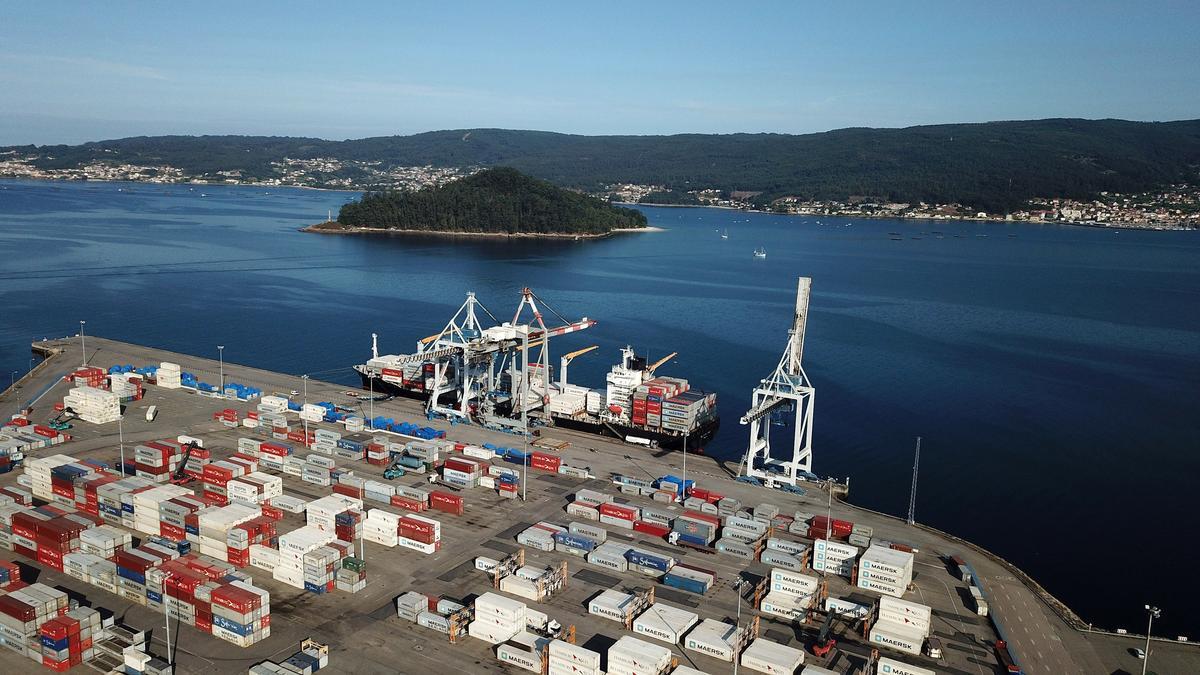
[[180, 476], [825, 641], [59, 422]]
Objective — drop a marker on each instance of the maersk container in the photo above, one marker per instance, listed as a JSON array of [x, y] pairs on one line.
[[410, 462], [888, 666], [434, 621], [883, 635], [611, 561], [781, 559], [788, 546], [735, 548], [684, 583], [597, 534]]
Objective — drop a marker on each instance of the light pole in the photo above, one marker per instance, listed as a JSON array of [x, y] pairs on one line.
[[121, 433], [221, 356], [12, 379], [1154, 613], [737, 631], [685, 490], [83, 343], [30, 366], [303, 415], [166, 616], [524, 411]]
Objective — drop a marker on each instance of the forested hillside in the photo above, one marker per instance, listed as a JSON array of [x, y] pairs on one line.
[[993, 166], [498, 201]]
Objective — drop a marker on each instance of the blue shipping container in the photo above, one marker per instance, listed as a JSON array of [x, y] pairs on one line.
[[232, 626], [646, 560], [131, 575], [574, 541], [684, 583]]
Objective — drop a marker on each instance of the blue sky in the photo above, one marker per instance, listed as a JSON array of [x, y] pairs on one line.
[[72, 72]]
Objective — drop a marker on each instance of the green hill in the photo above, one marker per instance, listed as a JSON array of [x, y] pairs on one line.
[[499, 201], [992, 166]]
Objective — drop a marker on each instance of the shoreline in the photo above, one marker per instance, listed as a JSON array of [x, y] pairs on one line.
[[965, 219], [317, 229], [67, 179], [957, 219]]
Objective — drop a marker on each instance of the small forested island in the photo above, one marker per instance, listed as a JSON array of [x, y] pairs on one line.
[[500, 201]]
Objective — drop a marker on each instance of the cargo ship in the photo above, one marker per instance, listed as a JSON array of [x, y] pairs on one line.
[[636, 406], [639, 407]]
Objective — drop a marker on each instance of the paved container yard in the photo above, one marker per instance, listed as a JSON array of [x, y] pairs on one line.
[[365, 635]]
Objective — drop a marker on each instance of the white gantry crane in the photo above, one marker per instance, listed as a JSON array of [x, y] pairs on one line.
[[786, 389], [456, 366]]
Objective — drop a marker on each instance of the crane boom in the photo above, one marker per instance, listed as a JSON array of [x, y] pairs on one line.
[[566, 361], [668, 357]]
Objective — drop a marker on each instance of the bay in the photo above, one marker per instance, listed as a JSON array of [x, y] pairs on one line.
[[1051, 373]]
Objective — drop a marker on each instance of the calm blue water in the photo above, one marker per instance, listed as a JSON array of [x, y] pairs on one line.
[[1052, 375]]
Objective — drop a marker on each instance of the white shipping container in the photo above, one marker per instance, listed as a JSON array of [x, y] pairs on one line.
[[519, 657], [584, 659], [764, 656], [611, 604], [788, 546], [790, 607], [713, 638], [889, 666], [846, 608], [804, 582], [892, 589], [887, 634], [664, 622]]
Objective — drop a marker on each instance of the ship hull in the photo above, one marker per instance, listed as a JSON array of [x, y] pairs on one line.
[[382, 386], [696, 440]]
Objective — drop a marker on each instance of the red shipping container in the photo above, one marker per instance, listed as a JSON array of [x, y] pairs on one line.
[[407, 503], [545, 462], [839, 526], [704, 517], [651, 528], [460, 465], [618, 511], [414, 525], [446, 502], [422, 537], [237, 599], [348, 490]]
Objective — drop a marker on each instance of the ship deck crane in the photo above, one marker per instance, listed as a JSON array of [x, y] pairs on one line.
[[567, 359], [788, 387], [653, 367]]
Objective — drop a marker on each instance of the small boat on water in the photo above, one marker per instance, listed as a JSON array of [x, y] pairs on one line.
[[760, 252], [725, 234]]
